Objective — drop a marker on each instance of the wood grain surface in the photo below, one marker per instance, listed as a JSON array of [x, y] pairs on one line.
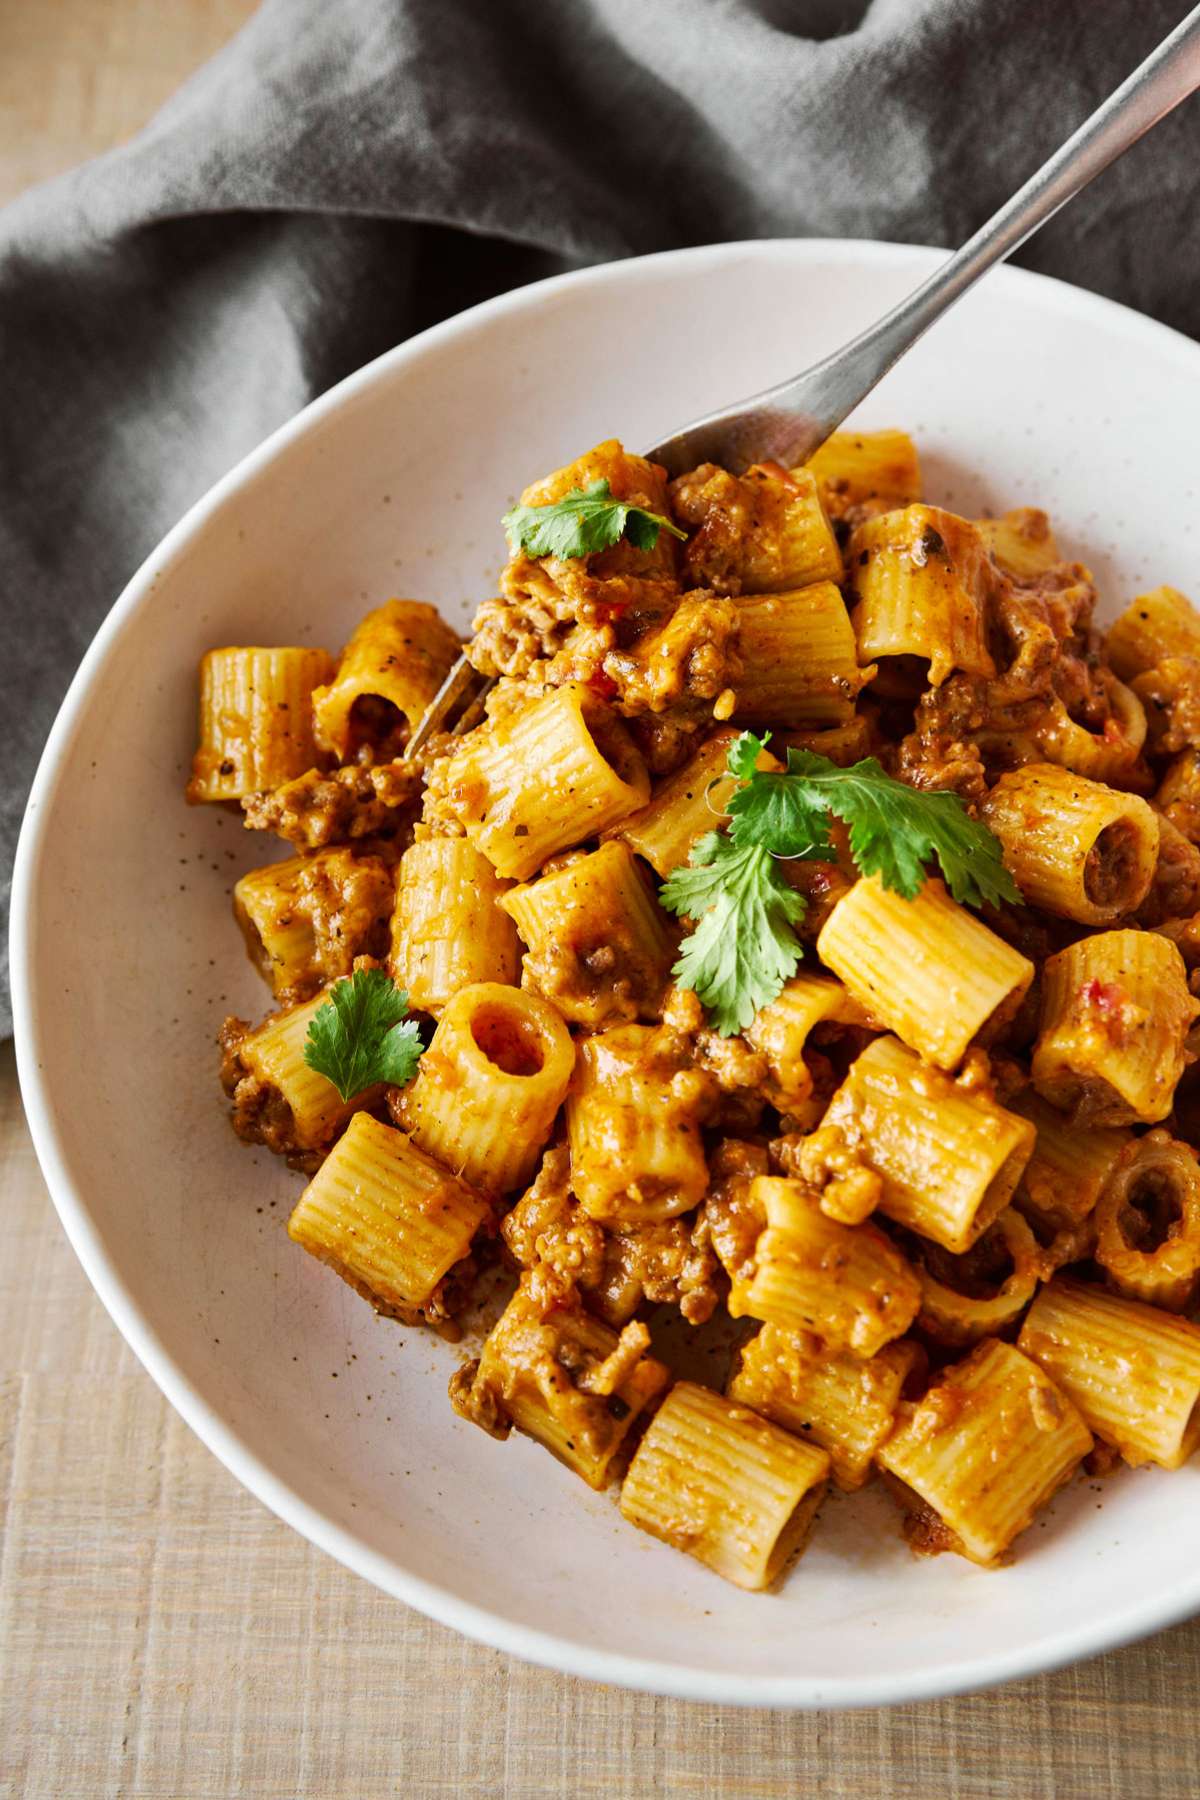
[[162, 1637]]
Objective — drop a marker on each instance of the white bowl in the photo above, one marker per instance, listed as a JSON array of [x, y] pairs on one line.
[[126, 958]]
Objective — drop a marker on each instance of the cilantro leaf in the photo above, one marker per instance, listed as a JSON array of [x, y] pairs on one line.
[[363, 1035], [895, 830], [743, 947], [582, 522]]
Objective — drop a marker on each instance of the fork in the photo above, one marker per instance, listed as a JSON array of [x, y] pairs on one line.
[[788, 422]]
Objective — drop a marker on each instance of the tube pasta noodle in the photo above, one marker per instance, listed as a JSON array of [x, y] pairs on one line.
[[306, 919], [847, 1283], [1132, 1370], [488, 1087], [525, 787], [1070, 1164], [1148, 1223], [561, 1377], [854, 467], [713, 1479], [1021, 542], [390, 670], [389, 1219], [448, 929], [1073, 846], [599, 946], [686, 805], [1116, 1011], [878, 1131], [947, 1156], [836, 1400], [925, 968], [799, 658], [985, 1449], [271, 1059], [1157, 625], [919, 577], [255, 720], [633, 1122], [781, 1030], [983, 1292]]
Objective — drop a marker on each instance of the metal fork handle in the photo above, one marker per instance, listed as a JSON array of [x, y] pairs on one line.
[[789, 421]]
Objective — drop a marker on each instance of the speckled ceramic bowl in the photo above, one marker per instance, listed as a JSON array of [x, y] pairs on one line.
[[126, 958]]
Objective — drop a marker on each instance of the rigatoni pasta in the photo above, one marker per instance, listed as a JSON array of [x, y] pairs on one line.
[[389, 1219], [1075, 847], [489, 1086], [985, 1449], [597, 943], [844, 1403], [926, 969], [799, 658], [715, 1480], [947, 1156], [919, 578], [448, 929], [1116, 1011], [389, 672], [256, 728], [1132, 1370]]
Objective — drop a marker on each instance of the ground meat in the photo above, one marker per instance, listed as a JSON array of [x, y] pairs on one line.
[[721, 509], [548, 1225], [731, 1219], [691, 657], [340, 806], [670, 1264]]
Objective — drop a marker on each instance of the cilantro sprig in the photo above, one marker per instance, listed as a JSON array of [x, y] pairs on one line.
[[582, 522], [895, 830], [363, 1035], [744, 947]]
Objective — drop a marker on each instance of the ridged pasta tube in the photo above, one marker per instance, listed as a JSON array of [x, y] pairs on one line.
[[489, 1086], [1115, 1016], [1155, 626], [539, 781], [1148, 1223], [799, 658], [634, 1121], [714, 1480], [448, 929], [847, 1283], [988, 1446], [838, 1401], [920, 575], [1132, 1370], [386, 1217], [256, 727], [394, 664], [947, 1155], [598, 943], [1073, 846], [927, 969]]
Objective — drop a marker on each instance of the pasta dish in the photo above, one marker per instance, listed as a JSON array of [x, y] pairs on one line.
[[796, 935]]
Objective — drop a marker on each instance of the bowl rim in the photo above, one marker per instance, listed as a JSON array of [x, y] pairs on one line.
[[548, 1649]]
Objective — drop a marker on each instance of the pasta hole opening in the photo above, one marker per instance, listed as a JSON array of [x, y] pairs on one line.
[[376, 724], [508, 1040], [981, 1273], [613, 742], [795, 1534], [1150, 1213], [1110, 870]]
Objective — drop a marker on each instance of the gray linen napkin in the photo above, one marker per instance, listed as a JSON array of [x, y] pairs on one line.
[[348, 171]]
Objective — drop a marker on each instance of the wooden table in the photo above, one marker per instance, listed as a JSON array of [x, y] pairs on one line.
[[162, 1636]]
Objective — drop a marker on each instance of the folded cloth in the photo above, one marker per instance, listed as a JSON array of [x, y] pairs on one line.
[[344, 174]]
